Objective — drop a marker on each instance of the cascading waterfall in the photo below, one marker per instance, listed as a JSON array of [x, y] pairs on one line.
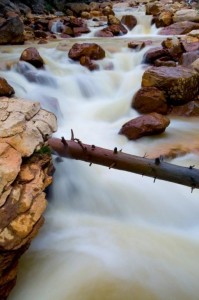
[[108, 234]]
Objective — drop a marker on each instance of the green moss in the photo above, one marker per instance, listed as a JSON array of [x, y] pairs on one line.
[[44, 150]]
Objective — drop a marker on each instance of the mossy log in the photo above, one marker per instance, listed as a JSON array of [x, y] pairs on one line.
[[116, 159]]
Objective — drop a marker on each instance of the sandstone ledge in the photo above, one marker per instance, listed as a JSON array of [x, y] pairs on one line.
[[25, 172]]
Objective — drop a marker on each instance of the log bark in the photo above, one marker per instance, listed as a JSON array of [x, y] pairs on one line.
[[114, 159]]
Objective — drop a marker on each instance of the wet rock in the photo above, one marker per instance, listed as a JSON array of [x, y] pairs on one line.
[[80, 30], [87, 62], [138, 45], [188, 58], [108, 11], [190, 46], [146, 125], [180, 84], [117, 29], [40, 34], [150, 99], [186, 15], [104, 33], [195, 65], [164, 19], [112, 20], [91, 50], [155, 53], [153, 9], [174, 47], [32, 56], [163, 61], [179, 28], [190, 109], [129, 20], [78, 8], [5, 88], [11, 32]]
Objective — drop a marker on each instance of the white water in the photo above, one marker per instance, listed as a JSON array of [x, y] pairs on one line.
[[109, 235]]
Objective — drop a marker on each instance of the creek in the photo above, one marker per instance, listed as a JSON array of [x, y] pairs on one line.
[[108, 234]]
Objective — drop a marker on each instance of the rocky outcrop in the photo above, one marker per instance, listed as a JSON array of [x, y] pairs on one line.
[[149, 124], [25, 172]]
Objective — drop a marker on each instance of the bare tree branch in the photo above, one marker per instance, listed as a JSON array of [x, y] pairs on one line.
[[156, 168]]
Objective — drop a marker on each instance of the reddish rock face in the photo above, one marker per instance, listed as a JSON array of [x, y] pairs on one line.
[[179, 28], [130, 21], [150, 99], [91, 50], [149, 124], [180, 84], [32, 56], [191, 46], [5, 88]]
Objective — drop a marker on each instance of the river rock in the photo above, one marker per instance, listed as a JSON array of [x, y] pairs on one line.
[[87, 62], [22, 184], [104, 33], [137, 45], [195, 65], [150, 99], [5, 88], [153, 8], [116, 29], [190, 45], [91, 50], [188, 58], [12, 31], [190, 109], [149, 124], [129, 21], [112, 20], [179, 28], [186, 15], [154, 53], [180, 84], [164, 19], [32, 56]]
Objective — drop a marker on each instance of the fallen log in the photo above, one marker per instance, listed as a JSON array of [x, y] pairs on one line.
[[116, 159]]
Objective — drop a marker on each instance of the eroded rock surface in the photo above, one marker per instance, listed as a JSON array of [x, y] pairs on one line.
[[25, 172]]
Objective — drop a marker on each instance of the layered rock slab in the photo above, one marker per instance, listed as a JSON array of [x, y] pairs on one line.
[[25, 172]]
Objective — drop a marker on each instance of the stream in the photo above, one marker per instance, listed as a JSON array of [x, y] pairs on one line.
[[108, 234]]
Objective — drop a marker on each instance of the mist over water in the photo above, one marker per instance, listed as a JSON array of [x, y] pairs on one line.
[[108, 235]]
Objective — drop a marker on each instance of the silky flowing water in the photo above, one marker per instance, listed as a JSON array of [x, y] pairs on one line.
[[108, 235]]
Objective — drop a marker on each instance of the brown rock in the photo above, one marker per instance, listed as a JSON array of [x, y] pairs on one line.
[[179, 28], [40, 34], [138, 45], [32, 56], [86, 62], [117, 29], [180, 84], [80, 30], [190, 109], [164, 19], [11, 32], [155, 53], [108, 11], [153, 9], [91, 50], [188, 58], [104, 33], [190, 46], [150, 99], [129, 20], [5, 88], [112, 20], [149, 124], [164, 61]]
